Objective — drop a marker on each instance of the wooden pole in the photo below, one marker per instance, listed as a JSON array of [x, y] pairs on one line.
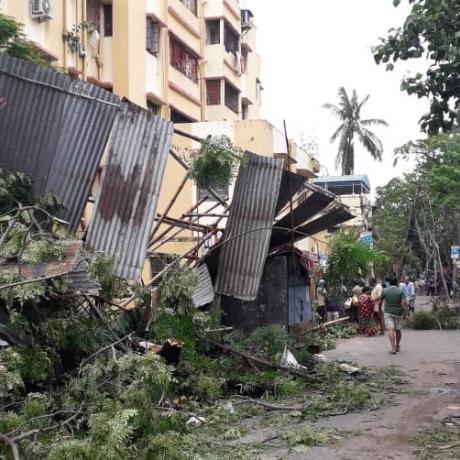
[[170, 205], [161, 243], [182, 223], [171, 227]]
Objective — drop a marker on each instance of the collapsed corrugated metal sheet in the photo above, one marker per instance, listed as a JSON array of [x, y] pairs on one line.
[[291, 183], [54, 129], [204, 292], [242, 258], [79, 281], [125, 208], [334, 215], [307, 202]]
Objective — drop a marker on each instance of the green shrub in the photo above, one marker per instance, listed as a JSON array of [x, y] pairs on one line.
[[216, 163], [423, 320]]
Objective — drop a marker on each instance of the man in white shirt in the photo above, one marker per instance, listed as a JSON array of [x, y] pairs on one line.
[[410, 293], [376, 296]]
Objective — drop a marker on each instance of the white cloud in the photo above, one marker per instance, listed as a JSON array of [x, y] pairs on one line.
[[311, 48]]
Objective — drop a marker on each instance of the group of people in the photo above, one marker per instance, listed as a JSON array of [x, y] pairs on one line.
[[375, 307]]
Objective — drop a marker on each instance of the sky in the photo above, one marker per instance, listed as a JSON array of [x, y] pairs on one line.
[[309, 49]]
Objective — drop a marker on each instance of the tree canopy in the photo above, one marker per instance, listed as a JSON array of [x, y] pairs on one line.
[[431, 31], [349, 113], [417, 218], [348, 259], [15, 43]]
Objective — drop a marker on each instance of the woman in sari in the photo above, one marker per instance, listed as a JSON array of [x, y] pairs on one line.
[[367, 325]]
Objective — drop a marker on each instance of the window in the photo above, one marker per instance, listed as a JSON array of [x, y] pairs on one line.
[[191, 5], [213, 92], [183, 60], [177, 117], [108, 20], [231, 39], [231, 98], [213, 32], [154, 109], [153, 37], [245, 112]]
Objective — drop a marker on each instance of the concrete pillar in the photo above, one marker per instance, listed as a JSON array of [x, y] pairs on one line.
[[129, 36]]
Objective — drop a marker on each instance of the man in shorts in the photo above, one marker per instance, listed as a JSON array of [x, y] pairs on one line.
[[396, 312]]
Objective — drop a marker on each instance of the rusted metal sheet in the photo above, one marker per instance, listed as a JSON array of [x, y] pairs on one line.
[[204, 292], [54, 129], [126, 205], [73, 263], [247, 235]]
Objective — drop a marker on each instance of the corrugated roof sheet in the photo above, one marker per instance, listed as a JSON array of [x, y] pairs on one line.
[[204, 292], [334, 215], [125, 208], [291, 183], [306, 204], [242, 259], [54, 129]]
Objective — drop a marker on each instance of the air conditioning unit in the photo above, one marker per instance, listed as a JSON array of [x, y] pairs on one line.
[[40, 9], [247, 19]]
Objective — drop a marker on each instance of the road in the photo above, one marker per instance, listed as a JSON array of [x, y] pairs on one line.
[[431, 360]]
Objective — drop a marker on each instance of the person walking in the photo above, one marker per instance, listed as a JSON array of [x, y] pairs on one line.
[[367, 325], [321, 297], [396, 312], [410, 294], [353, 310], [376, 296]]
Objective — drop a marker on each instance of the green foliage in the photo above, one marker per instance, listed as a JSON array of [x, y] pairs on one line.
[[430, 32], [110, 431], [14, 42], [10, 377], [216, 163], [350, 394], [353, 126], [266, 341], [167, 446], [430, 440], [14, 186], [74, 449], [12, 246], [310, 436], [37, 365], [41, 251], [176, 289], [425, 201], [348, 259], [73, 38], [443, 318], [207, 387], [101, 269]]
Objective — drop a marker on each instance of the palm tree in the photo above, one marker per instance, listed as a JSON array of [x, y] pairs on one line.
[[349, 113]]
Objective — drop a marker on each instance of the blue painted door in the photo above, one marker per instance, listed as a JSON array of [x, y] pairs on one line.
[[299, 305]]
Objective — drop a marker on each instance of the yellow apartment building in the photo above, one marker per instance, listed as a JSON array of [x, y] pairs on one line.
[[186, 60], [194, 62]]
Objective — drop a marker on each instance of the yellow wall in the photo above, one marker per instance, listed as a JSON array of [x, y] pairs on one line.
[[129, 49]]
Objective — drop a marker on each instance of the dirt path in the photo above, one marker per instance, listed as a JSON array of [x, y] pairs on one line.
[[430, 361]]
